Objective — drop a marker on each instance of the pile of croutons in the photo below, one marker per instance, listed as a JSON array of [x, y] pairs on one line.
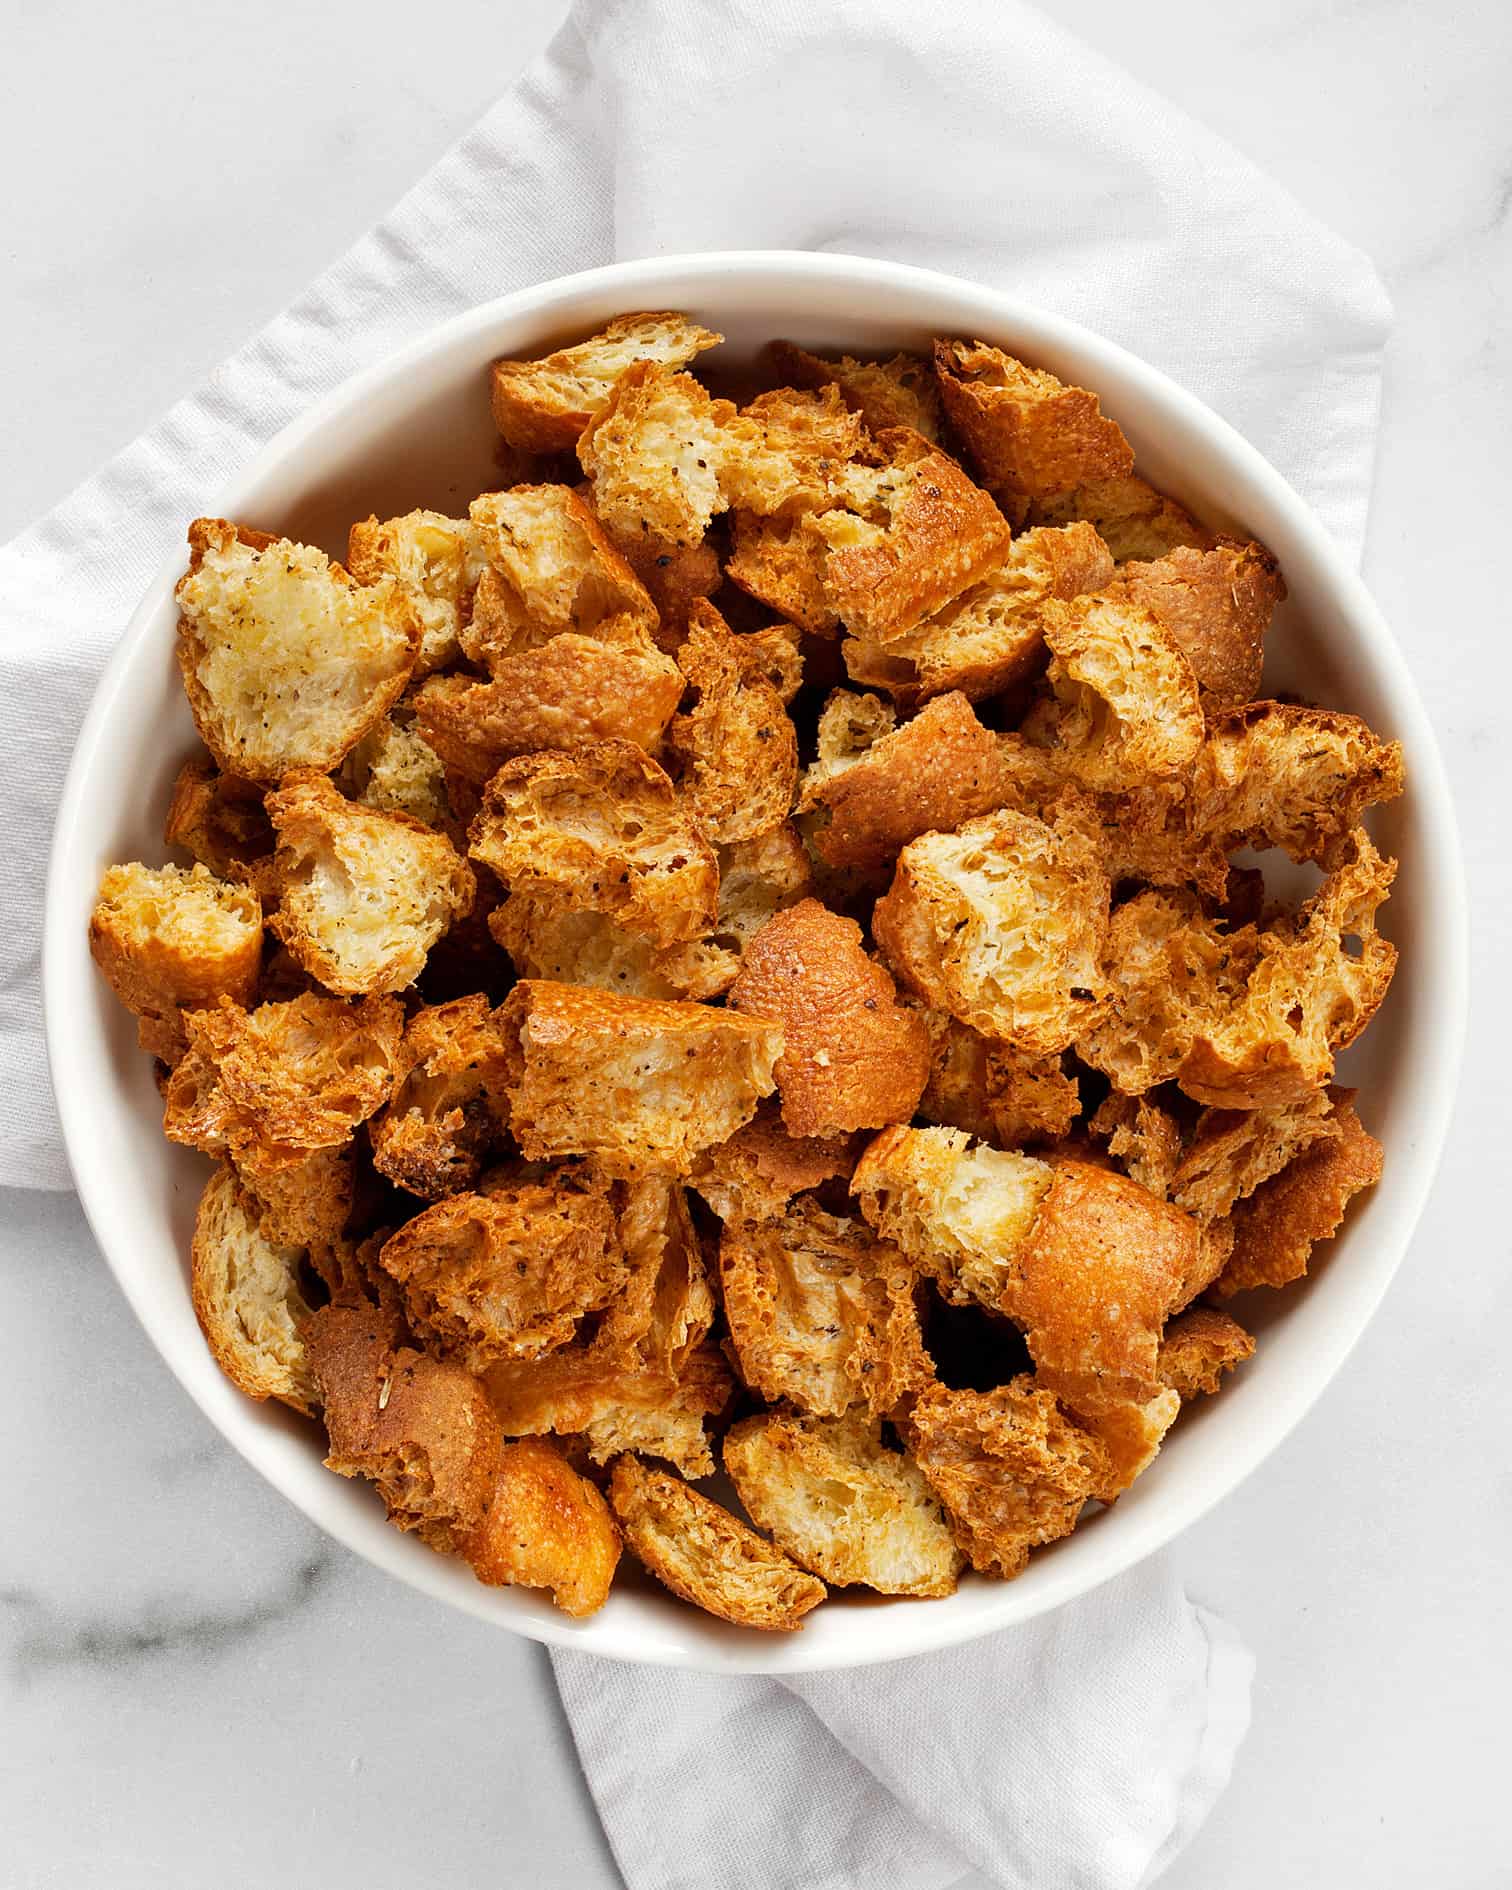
[[728, 957]]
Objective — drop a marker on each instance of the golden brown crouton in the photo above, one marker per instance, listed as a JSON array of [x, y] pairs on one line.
[[449, 1103], [435, 561], [1276, 1229], [654, 453], [1010, 1467], [590, 948], [394, 770], [166, 938], [362, 895], [990, 1090], [1198, 1348], [785, 451], [665, 1308], [780, 564], [543, 406], [422, 1430], [1002, 924], [821, 1312], [757, 878], [1130, 1433], [1131, 517], [676, 578], [703, 1554], [900, 392], [248, 1299], [960, 1214], [842, 1505], [1028, 433], [306, 1202], [754, 1175], [852, 1056], [1144, 1140], [637, 1084], [286, 662], [545, 1527], [1233, 1150], [220, 819], [1216, 607], [600, 829]]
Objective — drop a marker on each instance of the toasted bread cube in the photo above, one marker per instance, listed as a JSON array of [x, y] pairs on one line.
[[1028, 433], [664, 1310], [590, 948], [436, 562], [1216, 607], [1276, 1229], [600, 829], [703, 1554], [545, 1527], [909, 535], [1197, 1348], [785, 451], [840, 1504], [1002, 924], [248, 1298], [676, 578], [302, 1203], [758, 878], [780, 564], [508, 1274], [960, 1214], [220, 819], [637, 1084], [166, 938], [1131, 517], [286, 662], [654, 453], [1142, 1138], [394, 770], [821, 1312], [754, 1175], [1011, 1469], [991, 1091], [900, 392], [1131, 1434], [737, 749], [1232, 1151], [852, 1056], [420, 1429], [448, 1105], [571, 690], [543, 406]]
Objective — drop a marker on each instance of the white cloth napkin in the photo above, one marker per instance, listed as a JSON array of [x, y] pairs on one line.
[[1080, 1752]]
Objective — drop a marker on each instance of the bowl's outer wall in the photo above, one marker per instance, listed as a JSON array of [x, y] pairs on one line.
[[416, 431]]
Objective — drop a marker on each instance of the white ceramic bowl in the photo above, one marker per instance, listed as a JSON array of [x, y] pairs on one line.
[[416, 431]]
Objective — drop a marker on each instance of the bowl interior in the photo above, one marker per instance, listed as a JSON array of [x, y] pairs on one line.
[[417, 431]]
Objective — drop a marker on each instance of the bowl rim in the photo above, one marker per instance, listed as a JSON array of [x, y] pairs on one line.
[[1435, 1086]]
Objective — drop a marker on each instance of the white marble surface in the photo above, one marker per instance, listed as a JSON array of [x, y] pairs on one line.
[[195, 1687]]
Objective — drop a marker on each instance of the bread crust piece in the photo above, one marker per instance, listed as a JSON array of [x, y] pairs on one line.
[[1132, 518], [1011, 1469], [990, 1090], [1216, 607], [286, 662], [420, 1429], [545, 1527], [1276, 1229], [1028, 433], [1232, 1151], [654, 452], [841, 1505], [1002, 924], [852, 1057], [449, 1104], [754, 1175], [508, 1274], [544, 406], [435, 561], [781, 565], [1197, 1348], [675, 579], [247, 1298], [664, 1310], [821, 1312], [1144, 1140], [600, 829], [639, 1085], [592, 949], [166, 938], [219, 818], [704, 1555], [758, 878], [363, 895], [899, 392]]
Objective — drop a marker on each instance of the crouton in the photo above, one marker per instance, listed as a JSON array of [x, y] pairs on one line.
[[601, 829], [852, 1056], [362, 895], [654, 453], [990, 1090], [1216, 607], [448, 1105], [419, 1428], [589, 948], [1143, 1138], [305, 1202], [1028, 433], [900, 392], [676, 578], [394, 770], [1002, 924], [1233, 1151], [220, 819], [544, 406], [1276, 1229], [960, 1214], [1147, 833], [1131, 517], [166, 938], [248, 1298], [665, 1307], [785, 451], [736, 748], [758, 878], [703, 1554], [821, 1312], [638, 1084], [545, 1527], [1011, 1469], [781, 565], [435, 561], [1197, 1348], [842, 1505], [286, 662], [754, 1175], [933, 773]]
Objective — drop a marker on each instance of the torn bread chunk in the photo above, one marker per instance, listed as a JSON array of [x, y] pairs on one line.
[[435, 561], [1143, 1139], [1002, 924], [899, 392], [1232, 1151], [220, 820], [758, 878], [852, 1056], [1131, 1434], [544, 406], [1197, 1348], [638, 1085], [736, 748], [703, 1554], [676, 578], [306, 1202], [781, 565], [654, 453], [821, 1312], [394, 770], [992, 1091], [449, 1105], [248, 1298], [287, 663], [362, 895], [166, 938], [589, 948], [665, 1308], [1216, 607], [754, 1175], [1132, 518], [842, 1505], [786, 450], [545, 1527]]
